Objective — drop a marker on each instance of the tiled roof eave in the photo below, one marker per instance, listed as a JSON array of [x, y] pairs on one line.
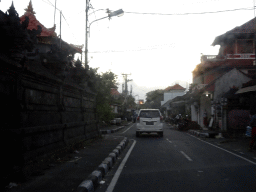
[[33, 23]]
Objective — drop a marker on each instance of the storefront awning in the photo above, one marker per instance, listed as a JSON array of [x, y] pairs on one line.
[[246, 89]]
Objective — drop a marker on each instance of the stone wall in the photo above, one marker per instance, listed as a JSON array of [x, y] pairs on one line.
[[41, 114]]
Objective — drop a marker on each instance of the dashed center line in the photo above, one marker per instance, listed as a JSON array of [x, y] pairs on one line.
[[188, 158]]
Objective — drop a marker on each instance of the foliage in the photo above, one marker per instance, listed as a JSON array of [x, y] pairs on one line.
[[130, 101], [78, 73], [102, 84], [154, 98]]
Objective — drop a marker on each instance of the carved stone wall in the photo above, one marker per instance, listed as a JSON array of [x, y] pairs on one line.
[[41, 114]]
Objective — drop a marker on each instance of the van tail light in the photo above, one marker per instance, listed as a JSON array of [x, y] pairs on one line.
[[138, 118], [161, 118]]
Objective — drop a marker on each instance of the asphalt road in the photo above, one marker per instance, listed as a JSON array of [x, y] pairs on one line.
[[178, 162]]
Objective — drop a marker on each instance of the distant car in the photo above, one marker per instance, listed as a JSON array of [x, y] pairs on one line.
[[149, 121], [118, 121], [113, 122]]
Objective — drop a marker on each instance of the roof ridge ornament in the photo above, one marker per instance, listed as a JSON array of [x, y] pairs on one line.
[[30, 8], [12, 11]]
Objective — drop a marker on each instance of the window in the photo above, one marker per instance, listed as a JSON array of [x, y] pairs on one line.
[[244, 46], [149, 114]]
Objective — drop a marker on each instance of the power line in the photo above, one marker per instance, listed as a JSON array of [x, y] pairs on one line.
[[49, 3], [143, 49], [198, 13]]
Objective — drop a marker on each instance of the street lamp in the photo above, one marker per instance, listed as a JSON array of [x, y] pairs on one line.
[[118, 13]]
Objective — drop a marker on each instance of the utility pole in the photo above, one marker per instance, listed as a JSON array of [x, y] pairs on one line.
[[86, 34], [125, 84], [60, 28]]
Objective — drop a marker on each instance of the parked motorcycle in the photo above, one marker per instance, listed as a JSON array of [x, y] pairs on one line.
[[182, 124]]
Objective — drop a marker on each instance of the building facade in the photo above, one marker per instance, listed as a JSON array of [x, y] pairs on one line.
[[216, 77]]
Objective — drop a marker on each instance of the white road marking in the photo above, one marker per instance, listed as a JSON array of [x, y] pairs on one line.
[[128, 128], [225, 150], [188, 158], [120, 169], [169, 140], [76, 159]]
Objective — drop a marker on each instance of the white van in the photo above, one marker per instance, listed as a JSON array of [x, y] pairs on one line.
[[149, 121]]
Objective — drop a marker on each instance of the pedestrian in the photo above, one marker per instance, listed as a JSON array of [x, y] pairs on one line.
[[205, 119], [253, 125], [177, 119]]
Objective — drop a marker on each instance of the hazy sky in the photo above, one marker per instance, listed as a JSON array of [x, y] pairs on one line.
[[158, 42]]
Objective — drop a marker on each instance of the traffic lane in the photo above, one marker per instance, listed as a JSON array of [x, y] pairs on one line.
[[203, 153], [176, 151], [188, 180], [154, 155], [130, 132], [189, 147]]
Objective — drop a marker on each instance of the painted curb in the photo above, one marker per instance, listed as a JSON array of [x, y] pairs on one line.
[[113, 130], [200, 134], [94, 179]]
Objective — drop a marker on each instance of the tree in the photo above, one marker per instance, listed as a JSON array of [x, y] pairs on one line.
[[154, 98], [102, 84]]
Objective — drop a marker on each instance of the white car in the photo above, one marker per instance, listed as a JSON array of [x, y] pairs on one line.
[[149, 121]]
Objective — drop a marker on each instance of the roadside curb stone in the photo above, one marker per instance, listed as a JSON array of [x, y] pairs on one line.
[[203, 134], [93, 180], [113, 130]]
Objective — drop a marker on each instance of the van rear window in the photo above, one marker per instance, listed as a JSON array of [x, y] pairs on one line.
[[149, 114]]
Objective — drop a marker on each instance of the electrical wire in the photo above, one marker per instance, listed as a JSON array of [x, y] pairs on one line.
[[49, 3], [198, 13], [143, 49], [46, 2]]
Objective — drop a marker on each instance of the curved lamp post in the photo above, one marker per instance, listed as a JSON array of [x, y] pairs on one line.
[[118, 13]]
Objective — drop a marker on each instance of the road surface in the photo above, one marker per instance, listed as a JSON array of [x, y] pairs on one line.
[[178, 162]]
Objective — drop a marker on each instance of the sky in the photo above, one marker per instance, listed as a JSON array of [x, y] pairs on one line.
[[158, 43]]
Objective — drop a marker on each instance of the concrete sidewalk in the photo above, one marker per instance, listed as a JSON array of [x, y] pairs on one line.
[[204, 133], [238, 145], [81, 170], [113, 128]]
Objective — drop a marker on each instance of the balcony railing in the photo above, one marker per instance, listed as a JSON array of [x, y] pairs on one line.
[[241, 56], [205, 58], [198, 87]]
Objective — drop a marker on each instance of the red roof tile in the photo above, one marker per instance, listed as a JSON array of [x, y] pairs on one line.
[[46, 32], [114, 92], [246, 28], [33, 22], [175, 87]]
